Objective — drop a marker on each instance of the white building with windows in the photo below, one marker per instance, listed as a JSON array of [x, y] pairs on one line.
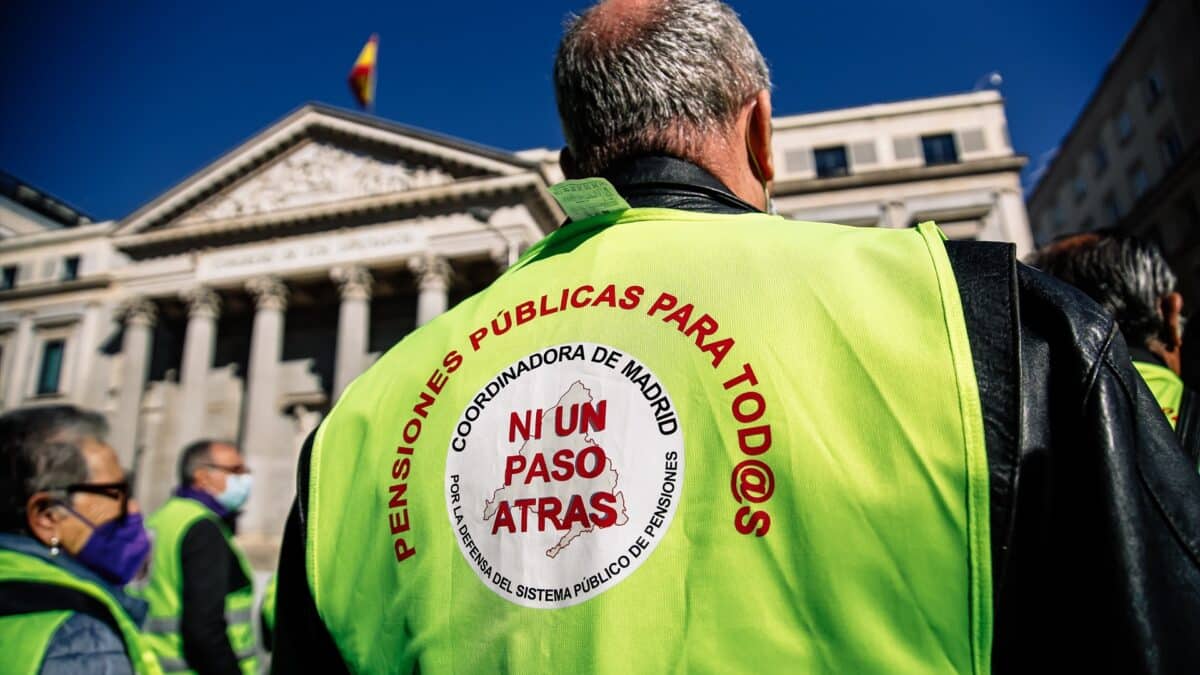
[[1131, 161], [241, 302], [946, 159]]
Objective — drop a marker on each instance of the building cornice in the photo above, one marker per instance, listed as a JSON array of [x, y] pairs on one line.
[[311, 121], [787, 188], [59, 236], [264, 223], [55, 288], [883, 110]]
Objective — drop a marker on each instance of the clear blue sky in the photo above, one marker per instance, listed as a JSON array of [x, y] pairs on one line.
[[107, 104]]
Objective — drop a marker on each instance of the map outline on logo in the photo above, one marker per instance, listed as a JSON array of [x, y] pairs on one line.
[[564, 474]]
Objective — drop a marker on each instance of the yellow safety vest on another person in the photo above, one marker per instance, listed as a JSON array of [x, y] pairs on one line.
[[165, 587], [1166, 386], [24, 638]]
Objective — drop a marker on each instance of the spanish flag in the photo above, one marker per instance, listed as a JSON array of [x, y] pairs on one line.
[[362, 75]]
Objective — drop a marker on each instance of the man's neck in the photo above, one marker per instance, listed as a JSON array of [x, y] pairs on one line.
[[669, 182]]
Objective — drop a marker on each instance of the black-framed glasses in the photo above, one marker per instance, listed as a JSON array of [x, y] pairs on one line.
[[238, 470], [118, 491]]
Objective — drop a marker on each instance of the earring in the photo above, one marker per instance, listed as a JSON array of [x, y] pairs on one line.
[[54, 549]]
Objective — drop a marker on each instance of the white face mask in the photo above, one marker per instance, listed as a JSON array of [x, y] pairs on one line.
[[237, 491]]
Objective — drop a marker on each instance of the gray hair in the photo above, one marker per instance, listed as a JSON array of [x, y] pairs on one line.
[[1125, 275], [658, 82], [196, 455], [40, 451]]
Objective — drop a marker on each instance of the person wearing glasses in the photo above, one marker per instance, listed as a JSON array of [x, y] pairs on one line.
[[199, 588], [70, 538]]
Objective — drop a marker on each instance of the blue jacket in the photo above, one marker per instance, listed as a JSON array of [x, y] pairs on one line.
[[82, 644]]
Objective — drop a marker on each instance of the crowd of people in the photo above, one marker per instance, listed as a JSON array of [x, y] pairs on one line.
[[888, 452]]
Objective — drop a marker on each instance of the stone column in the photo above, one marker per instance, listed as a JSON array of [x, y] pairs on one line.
[[199, 342], [433, 283], [266, 444], [266, 349], [98, 366], [21, 362], [354, 324], [86, 355], [139, 315], [1014, 220], [895, 214]]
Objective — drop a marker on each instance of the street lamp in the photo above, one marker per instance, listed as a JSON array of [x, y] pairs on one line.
[[484, 214]]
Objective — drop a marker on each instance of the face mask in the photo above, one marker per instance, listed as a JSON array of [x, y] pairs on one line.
[[117, 549], [237, 491]]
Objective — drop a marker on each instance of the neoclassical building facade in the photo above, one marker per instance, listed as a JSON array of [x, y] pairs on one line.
[[239, 304]]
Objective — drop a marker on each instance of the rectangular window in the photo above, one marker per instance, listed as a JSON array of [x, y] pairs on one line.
[[51, 369], [1172, 147], [8, 277], [831, 162], [1080, 188], [70, 271], [1153, 89], [797, 160], [1124, 126], [1139, 180], [939, 149], [972, 140], [1112, 210], [863, 153], [1060, 218], [1100, 159], [906, 148]]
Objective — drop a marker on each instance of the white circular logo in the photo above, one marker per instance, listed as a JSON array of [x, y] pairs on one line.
[[563, 474]]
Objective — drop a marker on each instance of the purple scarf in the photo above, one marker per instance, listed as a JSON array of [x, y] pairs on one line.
[[188, 492]]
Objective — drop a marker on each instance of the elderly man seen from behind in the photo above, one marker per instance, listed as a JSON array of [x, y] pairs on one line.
[[684, 435]]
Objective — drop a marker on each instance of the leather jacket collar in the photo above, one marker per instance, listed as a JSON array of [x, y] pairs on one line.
[[669, 182]]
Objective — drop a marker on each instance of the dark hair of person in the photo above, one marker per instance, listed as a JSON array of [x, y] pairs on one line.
[[194, 456], [40, 449], [1128, 277]]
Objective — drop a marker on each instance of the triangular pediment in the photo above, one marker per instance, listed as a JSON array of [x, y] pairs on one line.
[[312, 174], [316, 159]]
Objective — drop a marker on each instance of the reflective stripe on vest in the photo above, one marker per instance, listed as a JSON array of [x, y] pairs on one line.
[[25, 638], [181, 666], [164, 587], [171, 624], [1166, 386], [668, 442], [268, 604]]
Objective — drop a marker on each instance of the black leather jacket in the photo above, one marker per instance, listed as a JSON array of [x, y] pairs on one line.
[[1095, 510]]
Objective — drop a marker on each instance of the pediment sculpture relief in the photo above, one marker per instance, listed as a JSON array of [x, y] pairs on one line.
[[316, 173]]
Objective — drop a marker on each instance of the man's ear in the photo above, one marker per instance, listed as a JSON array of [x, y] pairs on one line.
[[566, 162], [758, 137], [1171, 307], [40, 517]]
